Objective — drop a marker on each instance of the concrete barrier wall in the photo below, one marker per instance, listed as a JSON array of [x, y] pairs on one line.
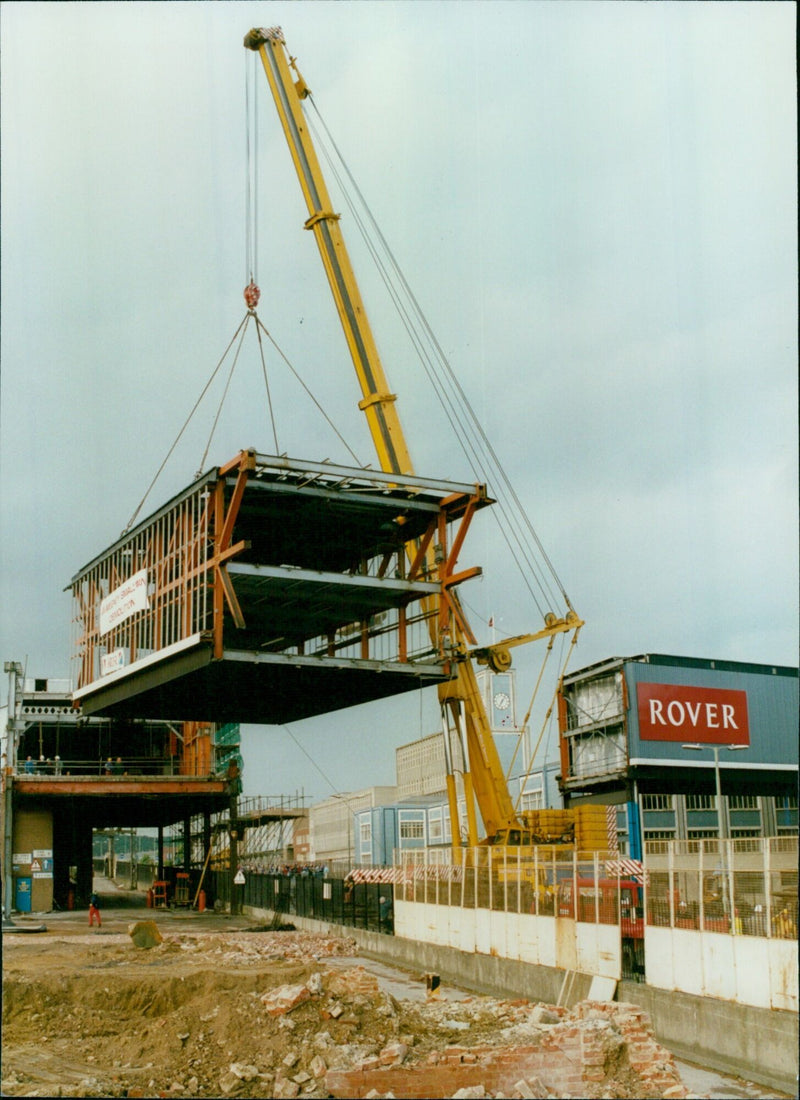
[[747, 969], [760, 1044], [540, 941]]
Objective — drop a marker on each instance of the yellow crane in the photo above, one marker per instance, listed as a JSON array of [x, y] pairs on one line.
[[462, 705]]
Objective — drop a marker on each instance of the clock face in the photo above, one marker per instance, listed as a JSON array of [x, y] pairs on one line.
[[502, 701]]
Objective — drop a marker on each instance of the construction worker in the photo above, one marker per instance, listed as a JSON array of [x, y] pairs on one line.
[[94, 910], [785, 928]]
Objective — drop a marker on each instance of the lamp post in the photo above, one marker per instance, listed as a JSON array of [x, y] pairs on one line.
[[721, 819], [722, 829], [13, 730]]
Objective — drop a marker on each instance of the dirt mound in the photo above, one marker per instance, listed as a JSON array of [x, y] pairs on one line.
[[245, 1015]]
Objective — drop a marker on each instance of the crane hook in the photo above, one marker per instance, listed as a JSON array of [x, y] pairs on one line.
[[251, 295]]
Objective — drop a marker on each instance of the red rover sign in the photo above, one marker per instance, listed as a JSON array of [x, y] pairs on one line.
[[675, 712]]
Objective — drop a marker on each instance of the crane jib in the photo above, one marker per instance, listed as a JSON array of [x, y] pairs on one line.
[[319, 223]]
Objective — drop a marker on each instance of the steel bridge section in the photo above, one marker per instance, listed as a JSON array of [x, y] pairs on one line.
[[273, 589]]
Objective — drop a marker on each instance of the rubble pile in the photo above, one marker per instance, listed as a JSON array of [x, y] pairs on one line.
[[264, 1015]]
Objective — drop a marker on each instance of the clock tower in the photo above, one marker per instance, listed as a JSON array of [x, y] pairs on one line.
[[498, 693]]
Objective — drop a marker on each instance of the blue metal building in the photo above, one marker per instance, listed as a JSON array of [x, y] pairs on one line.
[[687, 748]]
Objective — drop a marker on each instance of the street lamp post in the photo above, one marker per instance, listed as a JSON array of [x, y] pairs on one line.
[[722, 820], [13, 729]]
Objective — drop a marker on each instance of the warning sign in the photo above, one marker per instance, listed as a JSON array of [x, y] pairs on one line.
[[238, 878], [36, 865]]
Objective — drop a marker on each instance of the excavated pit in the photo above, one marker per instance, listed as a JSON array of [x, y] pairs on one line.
[[291, 1014]]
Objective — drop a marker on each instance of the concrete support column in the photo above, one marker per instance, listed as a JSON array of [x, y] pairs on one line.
[[84, 869]]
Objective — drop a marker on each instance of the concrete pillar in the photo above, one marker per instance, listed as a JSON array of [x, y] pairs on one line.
[[161, 852], [187, 844], [233, 850], [83, 864]]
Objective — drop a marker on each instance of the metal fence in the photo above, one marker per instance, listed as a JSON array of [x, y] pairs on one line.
[[542, 880], [744, 886], [342, 901]]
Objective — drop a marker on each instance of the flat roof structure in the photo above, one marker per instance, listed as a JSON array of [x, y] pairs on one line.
[[272, 590], [116, 802]]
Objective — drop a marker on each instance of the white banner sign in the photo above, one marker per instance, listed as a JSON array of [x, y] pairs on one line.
[[110, 662], [124, 601]]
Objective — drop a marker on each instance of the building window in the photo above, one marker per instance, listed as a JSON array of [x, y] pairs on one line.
[[532, 800], [786, 801], [657, 801], [435, 826], [701, 834], [366, 832], [744, 832], [412, 830], [701, 802], [659, 834], [743, 802]]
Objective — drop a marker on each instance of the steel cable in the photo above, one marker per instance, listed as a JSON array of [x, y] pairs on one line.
[[513, 521]]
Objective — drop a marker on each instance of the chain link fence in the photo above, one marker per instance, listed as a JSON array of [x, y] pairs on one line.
[[744, 886]]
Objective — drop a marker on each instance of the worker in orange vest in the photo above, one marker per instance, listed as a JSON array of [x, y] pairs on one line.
[[94, 911]]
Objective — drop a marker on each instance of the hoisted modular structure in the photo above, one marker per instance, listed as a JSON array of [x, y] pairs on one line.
[[271, 590]]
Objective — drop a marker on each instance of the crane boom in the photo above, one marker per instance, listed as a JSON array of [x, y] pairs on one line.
[[463, 712], [377, 402]]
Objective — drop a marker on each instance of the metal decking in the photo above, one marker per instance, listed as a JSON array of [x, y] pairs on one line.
[[273, 589]]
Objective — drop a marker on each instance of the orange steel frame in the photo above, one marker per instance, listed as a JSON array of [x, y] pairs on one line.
[[185, 549]]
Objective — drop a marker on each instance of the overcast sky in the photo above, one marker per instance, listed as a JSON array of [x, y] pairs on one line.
[[596, 207]]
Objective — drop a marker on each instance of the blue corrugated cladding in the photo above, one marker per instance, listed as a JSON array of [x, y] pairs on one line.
[[772, 706]]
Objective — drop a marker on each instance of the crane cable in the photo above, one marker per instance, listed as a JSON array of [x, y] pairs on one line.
[[251, 175], [512, 518], [183, 429], [529, 764], [310, 394]]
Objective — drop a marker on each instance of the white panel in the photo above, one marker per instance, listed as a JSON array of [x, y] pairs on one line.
[[515, 930], [598, 949], [751, 959], [602, 989], [686, 960], [464, 935], [609, 951], [783, 974], [435, 929], [500, 938], [546, 938], [407, 920], [586, 947], [528, 944], [719, 974], [566, 948], [483, 932], [659, 953]]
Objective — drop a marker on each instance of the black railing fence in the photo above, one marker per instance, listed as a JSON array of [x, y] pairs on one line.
[[366, 905]]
